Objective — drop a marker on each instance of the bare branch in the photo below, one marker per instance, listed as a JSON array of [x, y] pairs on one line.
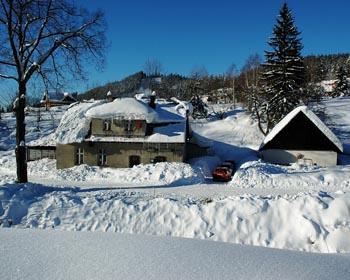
[[8, 77]]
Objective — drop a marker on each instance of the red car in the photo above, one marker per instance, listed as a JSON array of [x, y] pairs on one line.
[[224, 172]]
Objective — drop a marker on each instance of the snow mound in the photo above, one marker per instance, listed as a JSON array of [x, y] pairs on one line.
[[307, 222], [158, 174], [261, 175], [162, 173]]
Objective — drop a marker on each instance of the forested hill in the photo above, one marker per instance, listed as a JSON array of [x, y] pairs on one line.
[[123, 87], [324, 67], [318, 68]]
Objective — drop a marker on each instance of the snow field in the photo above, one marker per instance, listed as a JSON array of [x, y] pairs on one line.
[[37, 254]]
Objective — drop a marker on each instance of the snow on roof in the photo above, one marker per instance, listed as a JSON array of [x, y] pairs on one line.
[[169, 113], [172, 133], [74, 125], [124, 108], [312, 117]]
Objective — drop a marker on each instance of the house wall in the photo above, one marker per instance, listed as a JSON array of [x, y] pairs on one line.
[[285, 157], [118, 153], [118, 128]]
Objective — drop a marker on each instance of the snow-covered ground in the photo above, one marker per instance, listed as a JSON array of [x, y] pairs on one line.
[[308, 222], [33, 254], [301, 208]]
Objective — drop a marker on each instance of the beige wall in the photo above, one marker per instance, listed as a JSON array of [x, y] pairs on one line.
[[117, 128], [118, 153], [285, 157]]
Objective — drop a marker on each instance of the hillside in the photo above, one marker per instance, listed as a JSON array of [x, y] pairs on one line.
[[124, 87], [318, 68]]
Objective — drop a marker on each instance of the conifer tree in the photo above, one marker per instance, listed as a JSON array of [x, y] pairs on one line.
[[283, 72], [342, 87]]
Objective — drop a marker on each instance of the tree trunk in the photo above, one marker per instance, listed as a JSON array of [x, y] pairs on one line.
[[21, 157]]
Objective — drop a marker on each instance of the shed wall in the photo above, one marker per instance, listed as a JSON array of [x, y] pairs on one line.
[[286, 157]]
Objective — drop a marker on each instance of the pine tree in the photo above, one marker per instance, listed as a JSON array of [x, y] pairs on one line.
[[342, 87], [283, 72]]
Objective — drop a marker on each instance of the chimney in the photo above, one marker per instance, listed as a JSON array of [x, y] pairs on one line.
[[152, 100]]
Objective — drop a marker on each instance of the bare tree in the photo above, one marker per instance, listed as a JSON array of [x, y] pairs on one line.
[[153, 67], [231, 74], [251, 72], [45, 39], [199, 72]]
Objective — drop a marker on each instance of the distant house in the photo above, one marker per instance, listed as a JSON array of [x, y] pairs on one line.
[[121, 133], [301, 137], [51, 99]]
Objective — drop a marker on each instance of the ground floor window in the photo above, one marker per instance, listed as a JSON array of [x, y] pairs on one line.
[[107, 125], [102, 157], [134, 160], [159, 159], [79, 156]]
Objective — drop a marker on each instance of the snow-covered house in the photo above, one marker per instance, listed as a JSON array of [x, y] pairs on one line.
[[122, 133], [301, 137]]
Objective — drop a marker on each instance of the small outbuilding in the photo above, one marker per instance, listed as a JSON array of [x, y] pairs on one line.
[[52, 99], [301, 137]]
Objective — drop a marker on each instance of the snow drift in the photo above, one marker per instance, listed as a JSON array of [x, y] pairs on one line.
[[29, 254], [308, 222]]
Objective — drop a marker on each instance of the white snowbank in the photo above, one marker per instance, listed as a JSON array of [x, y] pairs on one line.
[[261, 175], [162, 173], [307, 222], [35, 254]]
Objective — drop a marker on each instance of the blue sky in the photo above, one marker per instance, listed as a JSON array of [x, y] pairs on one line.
[[182, 34]]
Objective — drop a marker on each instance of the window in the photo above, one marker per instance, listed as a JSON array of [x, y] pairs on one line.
[[79, 156], [134, 160], [107, 125], [159, 159], [138, 124], [128, 125], [102, 157]]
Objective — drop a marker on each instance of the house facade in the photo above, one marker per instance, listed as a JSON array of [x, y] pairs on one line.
[[303, 138], [122, 133]]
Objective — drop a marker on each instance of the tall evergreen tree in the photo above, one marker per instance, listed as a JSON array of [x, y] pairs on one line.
[[283, 72], [342, 86]]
